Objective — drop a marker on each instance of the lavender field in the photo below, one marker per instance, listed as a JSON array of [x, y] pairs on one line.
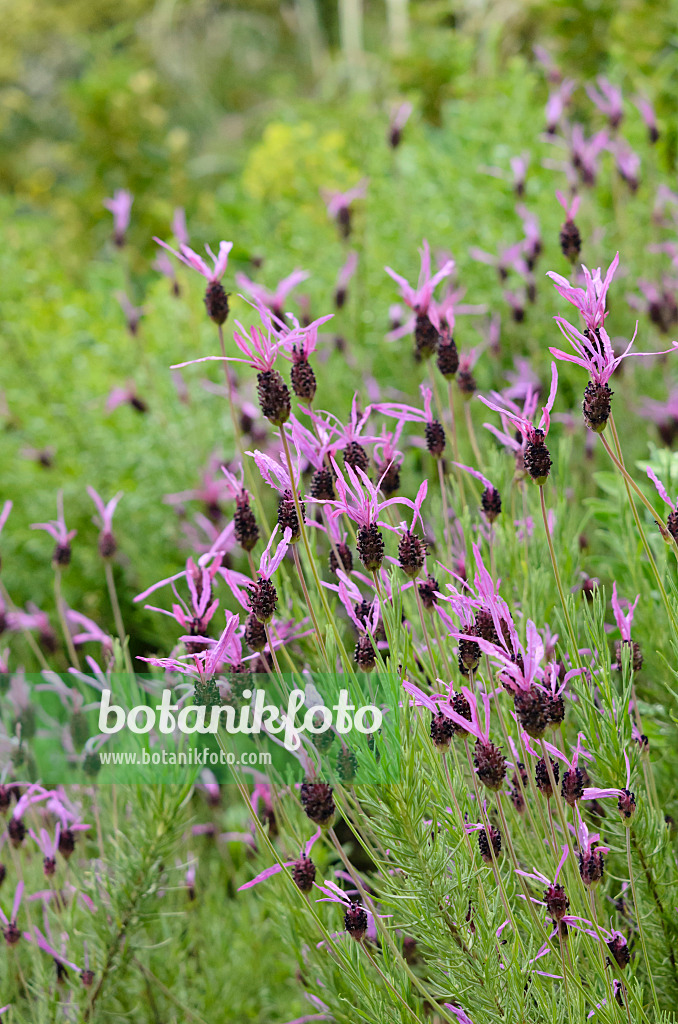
[[339, 512]]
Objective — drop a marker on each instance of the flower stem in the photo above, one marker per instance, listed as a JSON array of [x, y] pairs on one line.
[[472, 434], [434, 672], [446, 513], [307, 598], [455, 443], [252, 479], [61, 611], [641, 930], [388, 983], [556, 573], [627, 481]]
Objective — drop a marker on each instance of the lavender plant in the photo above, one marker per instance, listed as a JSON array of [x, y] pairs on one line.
[[519, 865]]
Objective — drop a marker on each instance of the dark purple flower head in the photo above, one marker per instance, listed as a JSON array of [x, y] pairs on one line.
[[107, 545]]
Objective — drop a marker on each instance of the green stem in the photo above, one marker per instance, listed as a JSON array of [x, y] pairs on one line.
[[639, 527], [641, 930], [61, 611], [556, 573]]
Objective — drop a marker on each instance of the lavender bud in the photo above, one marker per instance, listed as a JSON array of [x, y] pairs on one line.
[[347, 765], [556, 901], [597, 406], [355, 921], [591, 866], [67, 843], [556, 710], [537, 459], [619, 950], [364, 654], [442, 731], [303, 873], [484, 843], [427, 591], [356, 457], [572, 786], [570, 240], [389, 474], [318, 802], [245, 525], [626, 804], [542, 778], [216, 302], [636, 653], [16, 830], [107, 545], [345, 557], [288, 518], [411, 554], [532, 708], [425, 338], [490, 503], [467, 385], [435, 438], [303, 379], [490, 764], [274, 397], [370, 544], [448, 359], [469, 656], [263, 599], [255, 634], [322, 485]]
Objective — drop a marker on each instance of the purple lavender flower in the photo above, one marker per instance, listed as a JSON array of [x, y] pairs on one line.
[[107, 544], [672, 519], [648, 115], [11, 933], [420, 300], [608, 99], [339, 205], [63, 537], [133, 314], [343, 278], [536, 456], [557, 102], [216, 300], [301, 868], [179, 229], [120, 206], [400, 115], [591, 300], [272, 300]]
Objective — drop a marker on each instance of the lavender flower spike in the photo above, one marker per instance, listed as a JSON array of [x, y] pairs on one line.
[[120, 206]]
